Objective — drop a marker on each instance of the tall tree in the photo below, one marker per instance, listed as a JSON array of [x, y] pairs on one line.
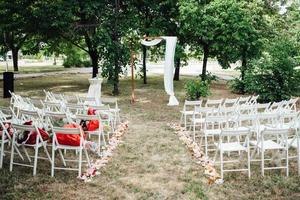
[[15, 26], [220, 28], [78, 22]]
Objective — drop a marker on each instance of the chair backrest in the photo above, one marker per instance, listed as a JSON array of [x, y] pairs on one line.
[[235, 132], [269, 132], [86, 100], [20, 128], [230, 102], [86, 117], [52, 106], [244, 100], [246, 109], [103, 107], [262, 107], [75, 108], [276, 106], [214, 103], [191, 105], [71, 131], [51, 117], [292, 104], [253, 99]]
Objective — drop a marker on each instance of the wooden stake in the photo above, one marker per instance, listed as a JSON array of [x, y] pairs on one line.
[[132, 76]]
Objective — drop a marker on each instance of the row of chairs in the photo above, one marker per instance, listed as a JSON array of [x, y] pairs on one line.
[[44, 115], [241, 127]]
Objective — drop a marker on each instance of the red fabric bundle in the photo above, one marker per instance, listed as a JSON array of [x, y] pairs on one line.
[[93, 124], [30, 137], [69, 139]]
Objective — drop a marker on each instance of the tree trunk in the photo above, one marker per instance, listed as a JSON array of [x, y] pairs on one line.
[[116, 78], [144, 64], [177, 69], [205, 57], [244, 67], [94, 58], [15, 58]]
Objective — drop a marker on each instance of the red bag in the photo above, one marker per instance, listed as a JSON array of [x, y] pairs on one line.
[[93, 124], [69, 139], [30, 137]]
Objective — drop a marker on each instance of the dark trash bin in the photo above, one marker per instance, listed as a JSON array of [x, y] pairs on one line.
[[8, 84]]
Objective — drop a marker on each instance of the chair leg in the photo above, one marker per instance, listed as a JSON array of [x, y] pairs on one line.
[[2, 151], [80, 162], [287, 161], [222, 164], [53, 160], [87, 157], [12, 154], [262, 163], [62, 157], [206, 149], [35, 159], [249, 163], [298, 154]]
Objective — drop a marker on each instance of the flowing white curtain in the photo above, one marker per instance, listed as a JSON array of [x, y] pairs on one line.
[[168, 65]]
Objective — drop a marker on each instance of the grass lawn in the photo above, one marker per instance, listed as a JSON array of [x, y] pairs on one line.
[[150, 164], [35, 69]]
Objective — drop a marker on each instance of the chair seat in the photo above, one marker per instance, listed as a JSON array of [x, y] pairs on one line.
[[198, 120], [212, 132], [187, 112], [232, 146], [60, 146], [268, 144]]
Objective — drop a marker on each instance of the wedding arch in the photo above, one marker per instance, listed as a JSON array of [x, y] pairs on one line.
[[168, 65]]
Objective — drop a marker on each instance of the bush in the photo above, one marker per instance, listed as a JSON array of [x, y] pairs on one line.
[[75, 58], [237, 86], [196, 89], [273, 76]]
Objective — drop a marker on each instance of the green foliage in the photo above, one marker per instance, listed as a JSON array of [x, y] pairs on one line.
[[196, 89], [273, 76], [75, 58], [209, 77], [237, 85]]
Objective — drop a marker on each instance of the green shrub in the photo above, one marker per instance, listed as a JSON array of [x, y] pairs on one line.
[[75, 58], [196, 89], [273, 76], [237, 86]]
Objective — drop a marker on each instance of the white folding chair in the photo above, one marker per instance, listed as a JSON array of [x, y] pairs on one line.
[[274, 139], [107, 117], [39, 143], [57, 146], [240, 145], [114, 108], [188, 110], [5, 138], [213, 126], [98, 132]]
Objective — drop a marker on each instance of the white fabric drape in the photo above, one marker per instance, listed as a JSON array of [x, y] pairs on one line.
[[168, 65]]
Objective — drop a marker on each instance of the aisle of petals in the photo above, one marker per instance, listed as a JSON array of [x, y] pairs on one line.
[[210, 171], [96, 165]]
